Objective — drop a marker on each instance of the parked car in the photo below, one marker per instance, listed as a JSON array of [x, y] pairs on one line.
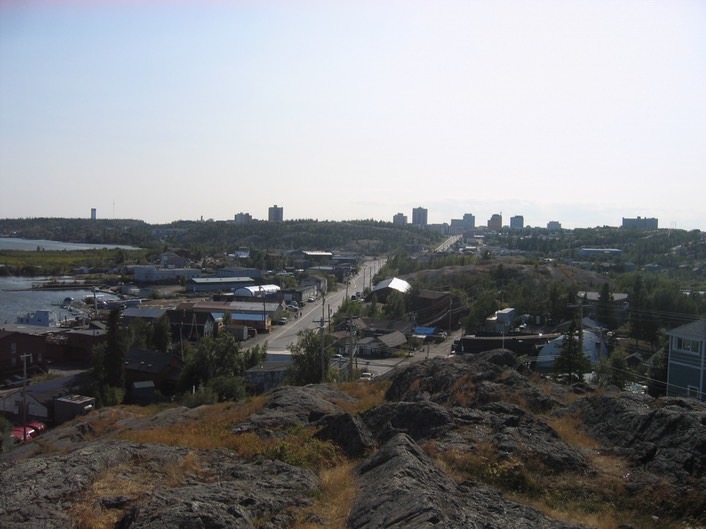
[[39, 427], [367, 376], [282, 320], [311, 299], [22, 434]]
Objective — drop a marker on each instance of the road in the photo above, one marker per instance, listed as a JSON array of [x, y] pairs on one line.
[[282, 336]]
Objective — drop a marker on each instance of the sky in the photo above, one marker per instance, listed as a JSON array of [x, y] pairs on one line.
[[576, 111]]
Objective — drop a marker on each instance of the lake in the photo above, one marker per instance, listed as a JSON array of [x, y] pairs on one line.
[[15, 301], [31, 245]]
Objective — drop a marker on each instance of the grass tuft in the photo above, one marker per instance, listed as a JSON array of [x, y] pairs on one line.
[[339, 489]]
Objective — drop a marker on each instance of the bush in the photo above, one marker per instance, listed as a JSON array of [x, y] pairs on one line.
[[227, 388], [200, 397]]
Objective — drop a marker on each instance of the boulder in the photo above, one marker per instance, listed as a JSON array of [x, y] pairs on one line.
[[347, 431]]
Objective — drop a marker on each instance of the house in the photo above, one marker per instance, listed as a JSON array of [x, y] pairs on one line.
[[431, 308], [618, 305], [41, 400], [386, 287], [160, 368], [686, 367], [380, 346], [266, 376], [72, 406]]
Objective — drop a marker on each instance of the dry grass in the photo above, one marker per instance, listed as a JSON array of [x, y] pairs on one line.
[[366, 395], [596, 498], [463, 392], [131, 484], [210, 430], [89, 513], [571, 430], [339, 489], [176, 473]]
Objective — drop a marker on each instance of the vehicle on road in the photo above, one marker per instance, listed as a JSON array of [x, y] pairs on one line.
[[282, 321]]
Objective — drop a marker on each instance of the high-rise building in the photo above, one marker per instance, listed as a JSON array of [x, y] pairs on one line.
[[517, 222], [469, 221], [275, 214], [242, 218], [93, 213], [495, 222], [554, 225], [640, 223], [419, 216], [399, 218]]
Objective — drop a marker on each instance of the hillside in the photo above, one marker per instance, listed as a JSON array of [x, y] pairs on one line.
[[454, 443]]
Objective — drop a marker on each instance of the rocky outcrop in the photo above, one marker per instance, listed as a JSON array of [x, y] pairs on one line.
[[477, 416], [150, 486], [468, 380], [402, 488], [667, 436], [289, 406], [349, 432]]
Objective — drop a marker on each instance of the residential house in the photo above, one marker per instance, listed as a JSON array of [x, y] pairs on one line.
[[161, 368], [686, 368], [266, 376], [377, 346]]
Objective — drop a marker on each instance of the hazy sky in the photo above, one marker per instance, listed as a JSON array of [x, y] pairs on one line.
[[582, 112]]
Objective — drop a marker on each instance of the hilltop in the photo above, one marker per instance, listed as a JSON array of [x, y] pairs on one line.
[[471, 441]]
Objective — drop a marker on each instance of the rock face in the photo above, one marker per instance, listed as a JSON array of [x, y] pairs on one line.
[[443, 421], [215, 490], [667, 437], [402, 488]]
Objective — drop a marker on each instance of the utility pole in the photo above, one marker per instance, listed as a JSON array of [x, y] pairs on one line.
[[351, 349], [322, 335], [24, 358], [451, 302]]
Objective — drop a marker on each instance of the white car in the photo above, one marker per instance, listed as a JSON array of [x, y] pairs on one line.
[[365, 375]]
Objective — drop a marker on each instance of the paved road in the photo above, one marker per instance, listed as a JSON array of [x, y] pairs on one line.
[[282, 336]]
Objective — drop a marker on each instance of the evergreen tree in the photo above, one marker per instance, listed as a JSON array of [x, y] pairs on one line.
[[604, 309], [116, 346], [571, 360]]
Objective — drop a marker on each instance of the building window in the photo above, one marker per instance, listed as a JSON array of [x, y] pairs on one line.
[[684, 344], [692, 392]]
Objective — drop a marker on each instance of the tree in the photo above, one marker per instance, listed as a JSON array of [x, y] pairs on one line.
[[614, 370], [604, 309], [395, 305], [109, 364], [161, 339], [657, 375], [116, 347], [308, 364], [218, 356], [571, 360]]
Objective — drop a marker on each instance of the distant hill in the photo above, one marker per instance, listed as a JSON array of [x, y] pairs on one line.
[[364, 236]]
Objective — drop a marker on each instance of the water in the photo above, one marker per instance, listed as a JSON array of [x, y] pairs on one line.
[[10, 243], [14, 302]]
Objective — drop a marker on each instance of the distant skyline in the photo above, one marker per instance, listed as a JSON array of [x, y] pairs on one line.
[[582, 112]]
